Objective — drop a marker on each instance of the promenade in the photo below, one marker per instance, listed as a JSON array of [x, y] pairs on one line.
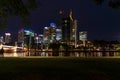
[[68, 57]]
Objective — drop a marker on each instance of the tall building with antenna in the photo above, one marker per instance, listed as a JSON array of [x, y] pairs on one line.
[[69, 28]]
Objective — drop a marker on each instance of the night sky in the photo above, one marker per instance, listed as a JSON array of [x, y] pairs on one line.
[[101, 22]]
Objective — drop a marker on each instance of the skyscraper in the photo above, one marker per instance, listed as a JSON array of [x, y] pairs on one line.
[[21, 36], [25, 37], [58, 34], [2, 40], [52, 32], [46, 35], [73, 30], [7, 38], [83, 36], [66, 26], [69, 28]]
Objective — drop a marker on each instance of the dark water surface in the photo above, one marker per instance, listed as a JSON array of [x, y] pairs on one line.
[[67, 54]]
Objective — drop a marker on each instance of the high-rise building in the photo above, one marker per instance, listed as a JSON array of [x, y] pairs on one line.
[[21, 36], [66, 26], [46, 35], [39, 41], [2, 40], [58, 34], [26, 37], [83, 36], [75, 33], [73, 30], [40, 38], [29, 38], [69, 28], [52, 32], [7, 38]]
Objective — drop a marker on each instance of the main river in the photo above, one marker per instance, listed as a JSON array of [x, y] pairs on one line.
[[64, 54]]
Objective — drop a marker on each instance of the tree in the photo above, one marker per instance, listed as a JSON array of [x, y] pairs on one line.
[[115, 4], [12, 8]]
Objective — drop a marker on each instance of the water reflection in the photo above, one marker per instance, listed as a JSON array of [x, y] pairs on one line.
[[14, 54], [68, 54]]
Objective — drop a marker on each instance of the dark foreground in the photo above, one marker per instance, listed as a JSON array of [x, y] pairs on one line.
[[59, 69]]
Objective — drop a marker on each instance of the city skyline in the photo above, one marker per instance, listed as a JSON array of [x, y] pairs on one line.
[[101, 22]]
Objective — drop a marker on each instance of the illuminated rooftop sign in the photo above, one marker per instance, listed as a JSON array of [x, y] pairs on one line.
[[52, 24], [8, 34]]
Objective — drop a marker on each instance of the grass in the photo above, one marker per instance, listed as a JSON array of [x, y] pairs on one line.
[[59, 69]]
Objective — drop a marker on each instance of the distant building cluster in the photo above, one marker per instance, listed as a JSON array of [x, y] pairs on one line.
[[67, 33]]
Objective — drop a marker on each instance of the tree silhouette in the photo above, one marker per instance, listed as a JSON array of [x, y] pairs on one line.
[[115, 4], [12, 8]]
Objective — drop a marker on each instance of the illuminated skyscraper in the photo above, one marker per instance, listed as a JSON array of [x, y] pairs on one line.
[[69, 28], [58, 34], [83, 36], [29, 38], [66, 26], [73, 30], [26, 37], [7, 38], [2, 39], [40, 38], [46, 35], [51, 33], [39, 41], [21, 36]]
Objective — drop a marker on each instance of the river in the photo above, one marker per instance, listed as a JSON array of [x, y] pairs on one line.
[[64, 54]]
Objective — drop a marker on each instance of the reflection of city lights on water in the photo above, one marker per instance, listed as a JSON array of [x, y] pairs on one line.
[[15, 55], [15, 49]]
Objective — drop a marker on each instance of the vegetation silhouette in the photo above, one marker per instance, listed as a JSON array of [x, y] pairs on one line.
[[114, 4], [13, 8]]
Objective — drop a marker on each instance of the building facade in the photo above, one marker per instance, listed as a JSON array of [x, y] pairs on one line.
[[83, 36], [26, 37], [69, 28], [7, 38], [46, 35], [58, 34], [66, 26], [21, 36]]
